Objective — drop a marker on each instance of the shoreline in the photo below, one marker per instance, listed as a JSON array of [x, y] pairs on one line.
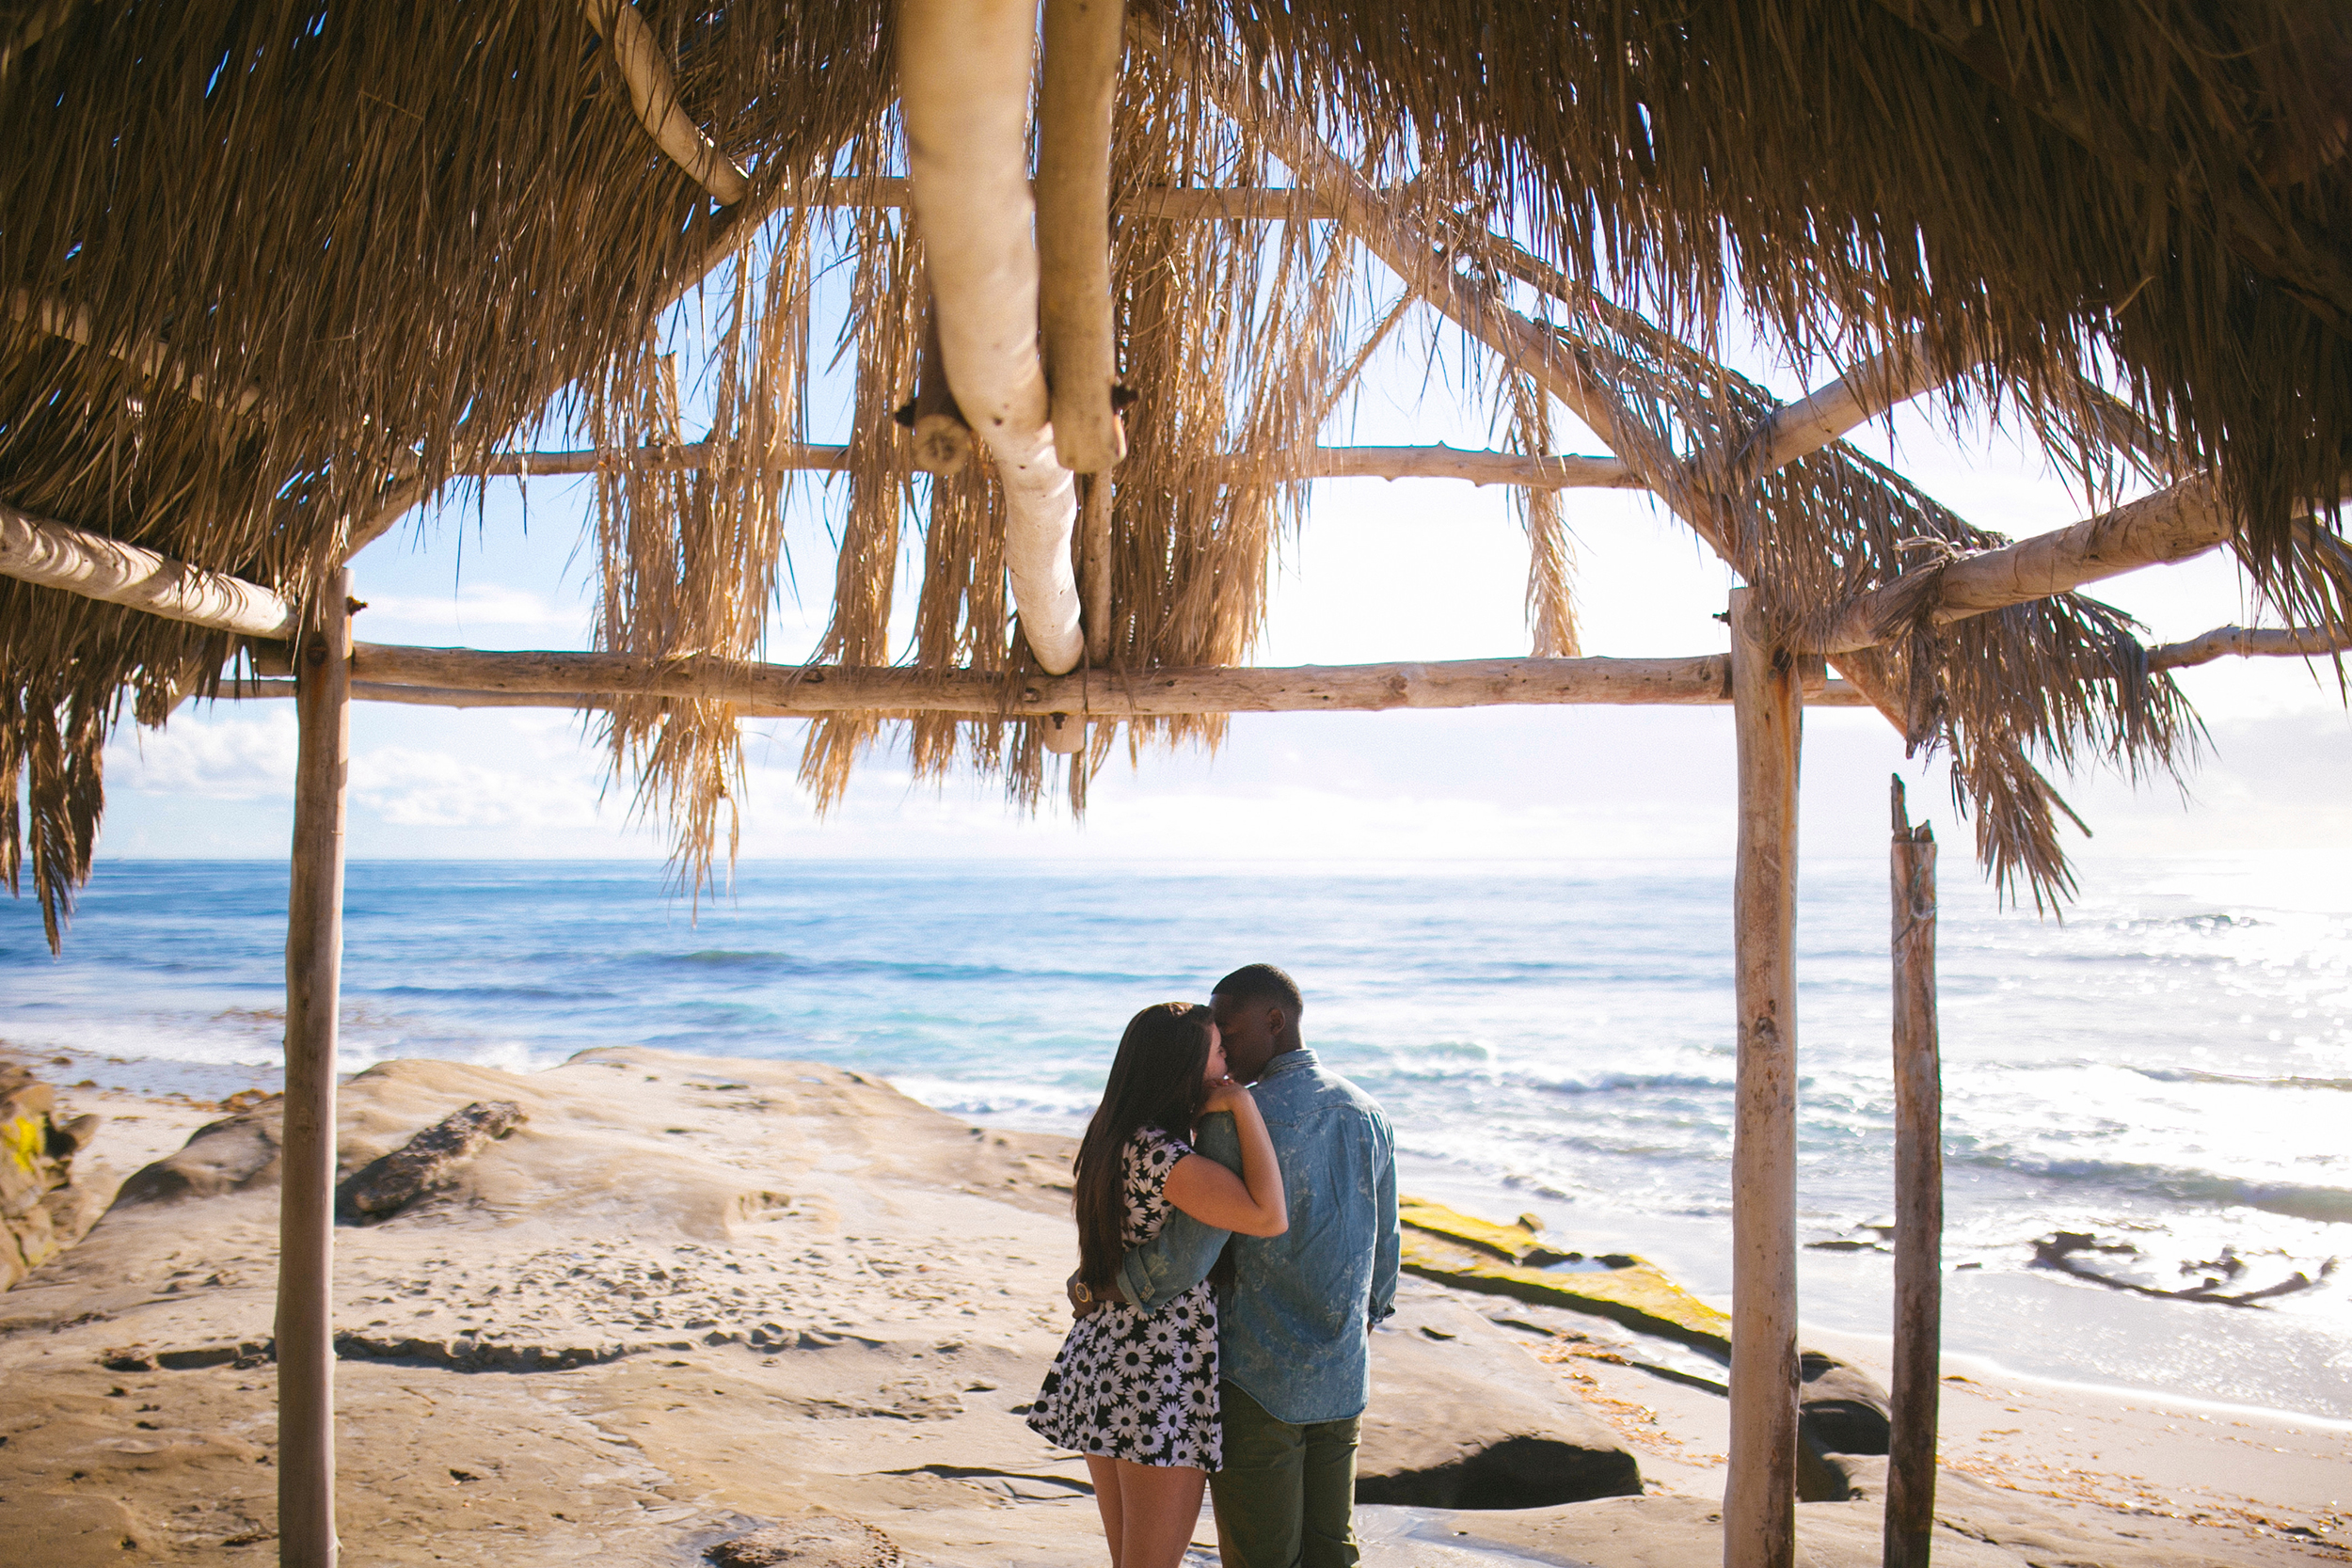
[[737, 1291], [1672, 1240]]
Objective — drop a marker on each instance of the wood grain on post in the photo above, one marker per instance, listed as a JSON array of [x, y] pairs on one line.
[[314, 952], [1761, 1491], [1918, 1200], [1094, 568], [1079, 79]]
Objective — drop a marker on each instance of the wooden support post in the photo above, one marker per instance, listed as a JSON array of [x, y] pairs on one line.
[[1078, 80], [1761, 1491], [1094, 568], [315, 951], [1918, 1200]]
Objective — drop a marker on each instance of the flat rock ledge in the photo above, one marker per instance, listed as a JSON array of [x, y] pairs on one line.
[[1461, 1417]]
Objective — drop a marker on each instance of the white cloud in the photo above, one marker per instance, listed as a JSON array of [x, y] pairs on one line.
[[208, 755], [473, 608]]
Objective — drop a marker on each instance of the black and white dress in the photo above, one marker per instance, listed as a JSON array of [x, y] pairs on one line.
[[1132, 1386]]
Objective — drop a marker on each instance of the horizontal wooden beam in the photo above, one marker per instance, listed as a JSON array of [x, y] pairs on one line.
[[2251, 642], [1558, 472], [1154, 203], [775, 690], [2174, 524], [152, 359], [686, 455], [97, 567]]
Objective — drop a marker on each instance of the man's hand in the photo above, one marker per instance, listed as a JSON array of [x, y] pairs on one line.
[[1082, 1299]]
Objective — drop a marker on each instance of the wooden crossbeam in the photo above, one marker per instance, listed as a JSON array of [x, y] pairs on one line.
[[2174, 524], [1154, 203], [469, 677], [1558, 472], [97, 567], [148, 357], [2251, 642]]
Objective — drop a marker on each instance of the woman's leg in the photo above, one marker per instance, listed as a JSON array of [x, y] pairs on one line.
[[1161, 1505], [1103, 1471]]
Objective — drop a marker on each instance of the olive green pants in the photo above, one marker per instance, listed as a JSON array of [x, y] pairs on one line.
[[1286, 1495]]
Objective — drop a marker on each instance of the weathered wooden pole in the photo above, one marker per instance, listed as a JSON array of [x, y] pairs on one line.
[[1918, 1199], [1760, 1492], [314, 953]]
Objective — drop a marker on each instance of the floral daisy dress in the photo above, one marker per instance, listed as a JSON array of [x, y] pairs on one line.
[[1128, 1386]]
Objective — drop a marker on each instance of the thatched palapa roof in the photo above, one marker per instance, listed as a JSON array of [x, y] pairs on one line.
[[270, 273]]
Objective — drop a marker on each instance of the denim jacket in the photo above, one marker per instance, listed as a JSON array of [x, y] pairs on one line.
[[1290, 1331]]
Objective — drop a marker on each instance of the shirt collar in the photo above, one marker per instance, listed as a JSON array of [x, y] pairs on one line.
[[1287, 1062]]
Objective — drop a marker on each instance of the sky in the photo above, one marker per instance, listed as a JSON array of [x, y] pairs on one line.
[[1420, 569]]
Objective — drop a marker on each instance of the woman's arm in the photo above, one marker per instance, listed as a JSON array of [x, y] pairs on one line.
[[1251, 1203]]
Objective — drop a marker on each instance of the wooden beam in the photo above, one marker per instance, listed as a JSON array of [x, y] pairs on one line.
[[305, 1233], [653, 94], [1558, 471], [2180, 521], [1760, 1488], [1149, 204], [1300, 690], [784, 455], [566, 678], [964, 75], [1095, 565], [1918, 1200], [97, 567], [2251, 642], [1893, 376], [151, 358], [1078, 71]]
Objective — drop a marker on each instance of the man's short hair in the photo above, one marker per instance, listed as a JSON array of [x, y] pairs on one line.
[[1261, 983]]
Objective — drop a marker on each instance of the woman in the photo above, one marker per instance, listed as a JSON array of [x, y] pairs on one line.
[[1137, 1394]]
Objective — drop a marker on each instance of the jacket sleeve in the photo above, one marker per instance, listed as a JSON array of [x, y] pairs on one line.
[[1391, 1244], [1182, 1255]]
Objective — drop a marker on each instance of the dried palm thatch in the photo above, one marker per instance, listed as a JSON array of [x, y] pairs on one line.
[[331, 257], [2156, 188], [405, 227]]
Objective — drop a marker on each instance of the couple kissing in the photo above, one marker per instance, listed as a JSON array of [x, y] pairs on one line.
[[1238, 1241]]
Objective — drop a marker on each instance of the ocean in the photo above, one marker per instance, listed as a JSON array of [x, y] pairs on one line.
[[2168, 1071]]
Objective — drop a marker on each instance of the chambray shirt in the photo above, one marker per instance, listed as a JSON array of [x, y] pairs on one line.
[[1290, 1331]]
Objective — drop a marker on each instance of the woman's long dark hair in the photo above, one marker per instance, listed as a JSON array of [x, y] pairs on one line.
[[1155, 1082]]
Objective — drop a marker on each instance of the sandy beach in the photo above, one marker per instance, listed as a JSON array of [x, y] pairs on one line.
[[686, 1298]]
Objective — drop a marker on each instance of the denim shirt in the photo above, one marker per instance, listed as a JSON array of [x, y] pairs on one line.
[[1290, 1331]]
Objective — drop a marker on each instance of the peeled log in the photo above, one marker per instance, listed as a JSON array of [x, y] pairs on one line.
[[2184, 520], [97, 567], [801, 690], [653, 94], [1084, 40], [383, 1187], [2249, 642], [963, 74], [782, 689]]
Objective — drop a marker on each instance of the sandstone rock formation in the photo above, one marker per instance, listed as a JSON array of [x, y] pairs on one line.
[[41, 1211], [1462, 1416]]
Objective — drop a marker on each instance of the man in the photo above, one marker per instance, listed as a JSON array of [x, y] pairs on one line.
[[1295, 1372]]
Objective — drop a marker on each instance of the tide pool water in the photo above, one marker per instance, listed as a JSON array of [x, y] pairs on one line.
[[2169, 1070]]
